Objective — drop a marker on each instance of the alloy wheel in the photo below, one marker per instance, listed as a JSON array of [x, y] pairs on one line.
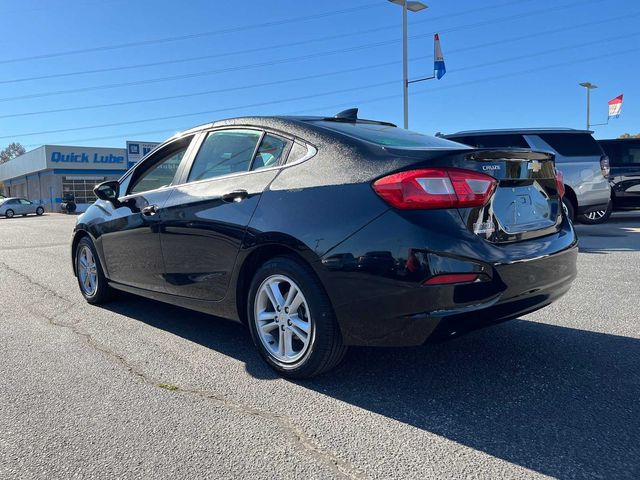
[[282, 318], [596, 215], [87, 271]]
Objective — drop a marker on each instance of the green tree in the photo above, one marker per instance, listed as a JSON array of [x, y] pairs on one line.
[[12, 151]]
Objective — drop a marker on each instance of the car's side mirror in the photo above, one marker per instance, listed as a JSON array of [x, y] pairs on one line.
[[108, 191]]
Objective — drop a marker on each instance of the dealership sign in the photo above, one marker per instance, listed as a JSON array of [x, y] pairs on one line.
[[137, 150]]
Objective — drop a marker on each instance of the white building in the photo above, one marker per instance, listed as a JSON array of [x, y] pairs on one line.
[[45, 174]]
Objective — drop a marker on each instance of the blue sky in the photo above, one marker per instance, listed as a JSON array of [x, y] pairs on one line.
[[509, 64]]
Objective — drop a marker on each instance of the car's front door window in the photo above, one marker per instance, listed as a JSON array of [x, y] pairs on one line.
[[161, 174]]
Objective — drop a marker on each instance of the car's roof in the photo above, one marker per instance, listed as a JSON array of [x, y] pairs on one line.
[[512, 131], [619, 139]]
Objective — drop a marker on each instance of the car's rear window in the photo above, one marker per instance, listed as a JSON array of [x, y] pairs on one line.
[[622, 152], [493, 141], [389, 136], [572, 144]]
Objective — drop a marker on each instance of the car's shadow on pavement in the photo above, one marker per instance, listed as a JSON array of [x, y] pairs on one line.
[[559, 401], [620, 233]]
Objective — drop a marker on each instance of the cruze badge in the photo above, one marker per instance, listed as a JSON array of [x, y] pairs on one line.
[[491, 167], [535, 166], [484, 228]]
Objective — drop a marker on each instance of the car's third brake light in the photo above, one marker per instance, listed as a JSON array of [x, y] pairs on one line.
[[435, 188]]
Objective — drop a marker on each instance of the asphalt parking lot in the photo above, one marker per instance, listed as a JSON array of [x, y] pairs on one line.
[[139, 389]]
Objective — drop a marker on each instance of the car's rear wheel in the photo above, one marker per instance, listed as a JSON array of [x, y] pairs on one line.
[[9, 213], [291, 320], [596, 217], [91, 280], [39, 211]]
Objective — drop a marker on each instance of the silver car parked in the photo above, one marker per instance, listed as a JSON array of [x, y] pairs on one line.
[[583, 163], [9, 207]]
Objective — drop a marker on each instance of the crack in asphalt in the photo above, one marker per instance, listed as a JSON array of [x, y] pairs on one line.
[[299, 438]]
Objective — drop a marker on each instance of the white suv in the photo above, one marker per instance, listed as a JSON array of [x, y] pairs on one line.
[[579, 157]]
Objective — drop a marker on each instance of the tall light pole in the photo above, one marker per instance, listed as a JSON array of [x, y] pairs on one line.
[[414, 7], [589, 86]]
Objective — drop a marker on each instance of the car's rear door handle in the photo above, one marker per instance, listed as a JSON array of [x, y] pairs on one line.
[[235, 196], [150, 210]]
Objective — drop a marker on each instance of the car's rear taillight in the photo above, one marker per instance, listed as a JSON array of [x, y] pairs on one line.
[[560, 183], [604, 166], [436, 188]]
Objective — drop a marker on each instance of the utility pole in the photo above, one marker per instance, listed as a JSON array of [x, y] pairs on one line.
[[589, 86], [414, 7]]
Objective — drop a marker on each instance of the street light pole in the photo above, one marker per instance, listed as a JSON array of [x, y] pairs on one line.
[[589, 86], [405, 66], [414, 7]]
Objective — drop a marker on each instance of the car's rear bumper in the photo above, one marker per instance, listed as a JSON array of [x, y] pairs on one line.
[[393, 307]]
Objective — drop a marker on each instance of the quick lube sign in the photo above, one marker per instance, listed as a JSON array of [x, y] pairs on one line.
[[59, 157], [64, 157]]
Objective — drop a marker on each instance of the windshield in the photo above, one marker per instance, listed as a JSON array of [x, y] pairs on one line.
[[389, 136]]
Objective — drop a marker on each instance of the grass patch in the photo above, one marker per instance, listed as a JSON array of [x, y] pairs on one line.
[[168, 386]]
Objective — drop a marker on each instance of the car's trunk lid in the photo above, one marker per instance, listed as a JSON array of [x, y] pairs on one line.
[[526, 202]]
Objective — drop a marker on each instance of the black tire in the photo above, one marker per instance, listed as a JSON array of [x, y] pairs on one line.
[[103, 292], [39, 211], [325, 349], [9, 213], [595, 218], [568, 209]]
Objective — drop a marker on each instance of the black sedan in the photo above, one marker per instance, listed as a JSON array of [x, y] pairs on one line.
[[319, 233]]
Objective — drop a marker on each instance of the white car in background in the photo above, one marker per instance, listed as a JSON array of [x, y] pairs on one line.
[[12, 206]]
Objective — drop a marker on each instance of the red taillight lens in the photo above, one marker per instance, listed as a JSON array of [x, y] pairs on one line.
[[436, 188], [448, 278], [560, 183], [604, 166]]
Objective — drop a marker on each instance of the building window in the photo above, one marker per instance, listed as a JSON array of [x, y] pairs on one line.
[[82, 189]]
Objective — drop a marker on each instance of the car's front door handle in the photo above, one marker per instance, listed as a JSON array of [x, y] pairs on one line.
[[235, 196], [150, 210]]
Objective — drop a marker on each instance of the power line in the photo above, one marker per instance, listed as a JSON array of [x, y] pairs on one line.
[[242, 52], [246, 27], [306, 97], [367, 67], [368, 100], [272, 62], [191, 36]]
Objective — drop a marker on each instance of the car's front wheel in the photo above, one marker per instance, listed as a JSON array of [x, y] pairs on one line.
[[91, 280], [9, 213], [291, 320]]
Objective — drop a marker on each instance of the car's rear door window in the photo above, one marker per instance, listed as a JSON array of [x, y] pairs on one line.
[[572, 144], [271, 152], [224, 152]]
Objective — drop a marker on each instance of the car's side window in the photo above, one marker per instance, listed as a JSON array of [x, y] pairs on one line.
[[25, 202], [161, 170], [224, 152], [271, 152]]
